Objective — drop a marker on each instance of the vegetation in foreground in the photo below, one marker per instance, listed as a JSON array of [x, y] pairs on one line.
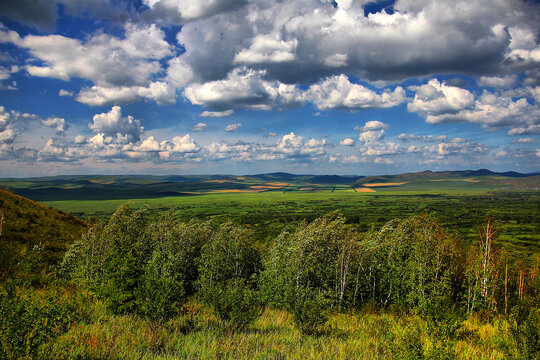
[[135, 287]]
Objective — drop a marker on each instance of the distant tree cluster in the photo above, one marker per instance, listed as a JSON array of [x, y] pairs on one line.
[[152, 268]]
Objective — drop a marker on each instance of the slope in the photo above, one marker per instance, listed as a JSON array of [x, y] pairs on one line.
[[25, 223]]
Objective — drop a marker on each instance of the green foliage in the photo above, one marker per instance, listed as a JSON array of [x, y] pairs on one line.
[[236, 303], [307, 269], [29, 319], [123, 264], [228, 266], [160, 293], [139, 267], [310, 310], [525, 331]]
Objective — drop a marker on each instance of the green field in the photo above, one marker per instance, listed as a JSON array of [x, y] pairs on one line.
[[267, 202]]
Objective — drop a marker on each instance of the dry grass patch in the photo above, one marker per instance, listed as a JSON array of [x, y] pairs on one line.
[[363, 189], [385, 184]]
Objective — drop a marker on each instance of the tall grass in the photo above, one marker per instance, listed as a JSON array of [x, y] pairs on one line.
[[358, 335]]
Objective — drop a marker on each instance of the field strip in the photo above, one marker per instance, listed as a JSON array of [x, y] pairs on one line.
[[384, 184], [363, 189]]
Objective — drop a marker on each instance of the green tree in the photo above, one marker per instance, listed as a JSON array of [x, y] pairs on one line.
[[228, 268]]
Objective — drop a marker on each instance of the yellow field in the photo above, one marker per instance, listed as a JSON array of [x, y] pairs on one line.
[[384, 184]]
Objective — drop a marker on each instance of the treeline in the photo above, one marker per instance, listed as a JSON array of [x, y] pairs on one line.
[[152, 268]]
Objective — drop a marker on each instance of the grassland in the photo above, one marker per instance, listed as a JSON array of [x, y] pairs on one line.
[[267, 202], [364, 335]]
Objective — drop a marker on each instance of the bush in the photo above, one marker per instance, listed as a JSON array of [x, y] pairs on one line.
[[525, 331], [32, 319], [236, 303], [309, 310]]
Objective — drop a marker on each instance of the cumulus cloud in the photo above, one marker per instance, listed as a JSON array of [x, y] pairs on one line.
[[373, 125], [243, 89], [497, 81], [372, 131], [158, 91], [120, 68], [58, 124], [233, 127], [347, 142], [54, 151], [435, 98], [440, 103], [199, 127], [80, 139], [8, 133], [339, 93], [180, 11], [112, 124], [305, 41], [525, 130], [217, 114]]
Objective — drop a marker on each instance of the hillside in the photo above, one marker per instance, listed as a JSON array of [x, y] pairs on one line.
[[27, 223]]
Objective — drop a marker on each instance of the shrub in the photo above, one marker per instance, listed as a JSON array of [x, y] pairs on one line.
[[309, 310], [525, 331], [32, 319], [237, 304]]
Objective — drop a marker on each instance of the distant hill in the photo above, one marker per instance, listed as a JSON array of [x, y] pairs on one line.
[[27, 223], [511, 178], [126, 187]]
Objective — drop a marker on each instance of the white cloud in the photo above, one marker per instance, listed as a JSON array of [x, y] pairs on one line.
[[384, 161], [243, 88], [80, 139], [339, 93], [380, 148], [63, 92], [58, 124], [8, 133], [371, 136], [497, 81], [434, 98], [158, 91], [217, 114], [372, 131], [180, 11], [120, 68], [112, 124], [267, 49], [373, 125], [199, 127], [423, 138], [233, 127], [184, 144], [440, 103], [347, 142], [526, 141], [525, 130]]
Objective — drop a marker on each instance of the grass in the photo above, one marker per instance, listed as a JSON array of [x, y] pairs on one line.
[[364, 335]]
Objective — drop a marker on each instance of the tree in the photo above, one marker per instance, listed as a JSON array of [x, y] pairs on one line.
[[308, 269], [228, 268]]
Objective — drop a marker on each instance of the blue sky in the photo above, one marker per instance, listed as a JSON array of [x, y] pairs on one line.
[[251, 86]]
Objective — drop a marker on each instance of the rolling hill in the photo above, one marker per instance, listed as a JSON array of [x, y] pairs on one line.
[[26, 223]]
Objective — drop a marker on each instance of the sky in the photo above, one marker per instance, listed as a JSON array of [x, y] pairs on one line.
[[255, 86]]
